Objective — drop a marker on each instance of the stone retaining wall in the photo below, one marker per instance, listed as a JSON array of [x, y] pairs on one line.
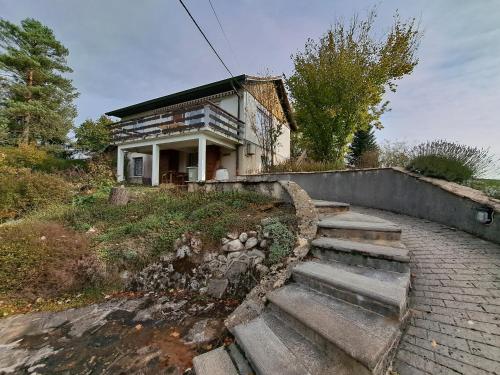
[[307, 218], [396, 190]]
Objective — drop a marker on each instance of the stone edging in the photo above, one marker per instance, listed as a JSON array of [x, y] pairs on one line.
[[307, 216]]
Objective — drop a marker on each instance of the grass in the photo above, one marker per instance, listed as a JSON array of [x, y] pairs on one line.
[[489, 186], [72, 254]]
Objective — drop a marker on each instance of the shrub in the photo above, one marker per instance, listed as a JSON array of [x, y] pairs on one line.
[[296, 165], [35, 158], [368, 159], [44, 259], [450, 161], [477, 160], [22, 191], [440, 167], [282, 240]]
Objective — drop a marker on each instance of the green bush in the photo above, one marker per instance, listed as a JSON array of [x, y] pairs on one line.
[[440, 167], [283, 240], [22, 191], [35, 158], [450, 161]]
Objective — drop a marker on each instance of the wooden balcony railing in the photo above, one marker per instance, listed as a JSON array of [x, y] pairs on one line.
[[182, 119]]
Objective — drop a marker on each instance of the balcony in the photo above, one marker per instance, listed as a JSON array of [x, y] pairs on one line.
[[205, 116]]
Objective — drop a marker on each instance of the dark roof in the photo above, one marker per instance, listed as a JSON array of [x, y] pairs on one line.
[[201, 92]]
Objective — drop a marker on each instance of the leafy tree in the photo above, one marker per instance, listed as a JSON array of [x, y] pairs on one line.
[[94, 136], [364, 140], [339, 82], [36, 100]]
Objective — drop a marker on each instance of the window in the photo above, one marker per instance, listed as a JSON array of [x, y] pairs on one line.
[[262, 121], [138, 162]]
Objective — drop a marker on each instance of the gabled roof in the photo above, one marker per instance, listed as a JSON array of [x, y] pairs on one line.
[[207, 90]]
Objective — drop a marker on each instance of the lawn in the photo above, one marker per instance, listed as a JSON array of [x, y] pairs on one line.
[[70, 254]]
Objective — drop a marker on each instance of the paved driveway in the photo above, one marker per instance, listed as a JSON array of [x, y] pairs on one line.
[[455, 299]]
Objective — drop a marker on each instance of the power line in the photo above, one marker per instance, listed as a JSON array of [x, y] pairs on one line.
[[204, 36], [224, 33]]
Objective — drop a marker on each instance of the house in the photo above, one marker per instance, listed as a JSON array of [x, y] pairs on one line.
[[207, 131]]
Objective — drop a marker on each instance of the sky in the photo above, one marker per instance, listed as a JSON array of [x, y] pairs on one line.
[[124, 51]]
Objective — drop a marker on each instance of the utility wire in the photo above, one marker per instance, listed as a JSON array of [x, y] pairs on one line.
[[204, 36], [224, 33]]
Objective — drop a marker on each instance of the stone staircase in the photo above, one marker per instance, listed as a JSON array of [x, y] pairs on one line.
[[342, 312]]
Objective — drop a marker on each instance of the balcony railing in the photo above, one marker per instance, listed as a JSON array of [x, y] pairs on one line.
[[183, 119]]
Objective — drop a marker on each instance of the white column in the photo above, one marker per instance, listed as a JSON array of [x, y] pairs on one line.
[[202, 158], [120, 163], [155, 166]]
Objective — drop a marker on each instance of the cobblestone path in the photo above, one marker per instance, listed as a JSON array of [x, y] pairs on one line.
[[455, 328]]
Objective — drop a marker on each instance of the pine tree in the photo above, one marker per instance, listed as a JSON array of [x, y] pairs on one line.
[[36, 100], [364, 140]]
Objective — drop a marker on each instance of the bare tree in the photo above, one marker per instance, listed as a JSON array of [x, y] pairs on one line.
[[267, 119]]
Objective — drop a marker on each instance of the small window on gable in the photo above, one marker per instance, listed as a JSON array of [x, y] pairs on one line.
[[138, 166]]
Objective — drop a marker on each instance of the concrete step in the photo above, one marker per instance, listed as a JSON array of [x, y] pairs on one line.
[[214, 362], [359, 227], [329, 207], [388, 258], [366, 338], [380, 291], [267, 354], [315, 359], [239, 360]]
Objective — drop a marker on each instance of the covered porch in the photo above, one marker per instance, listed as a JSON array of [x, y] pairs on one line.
[[176, 159]]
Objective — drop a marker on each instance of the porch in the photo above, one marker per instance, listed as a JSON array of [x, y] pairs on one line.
[[177, 144], [175, 160]]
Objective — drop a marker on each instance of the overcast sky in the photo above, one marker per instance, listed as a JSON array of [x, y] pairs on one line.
[[125, 51]]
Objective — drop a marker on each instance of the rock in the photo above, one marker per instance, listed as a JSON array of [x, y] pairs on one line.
[[196, 244], [301, 251], [225, 240], [183, 251], [243, 237], [167, 258], [222, 258], [234, 255], [204, 331], [232, 235], [235, 270], [263, 244], [177, 243], [251, 243], [217, 287], [262, 269], [256, 253], [203, 290], [194, 285], [234, 245], [252, 233]]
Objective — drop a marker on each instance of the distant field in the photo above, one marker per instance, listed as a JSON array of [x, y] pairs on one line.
[[489, 186]]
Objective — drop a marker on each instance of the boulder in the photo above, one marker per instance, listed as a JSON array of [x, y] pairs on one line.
[[251, 243], [252, 233], [234, 245], [183, 251], [204, 332], [243, 237], [217, 287], [263, 244], [232, 235]]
